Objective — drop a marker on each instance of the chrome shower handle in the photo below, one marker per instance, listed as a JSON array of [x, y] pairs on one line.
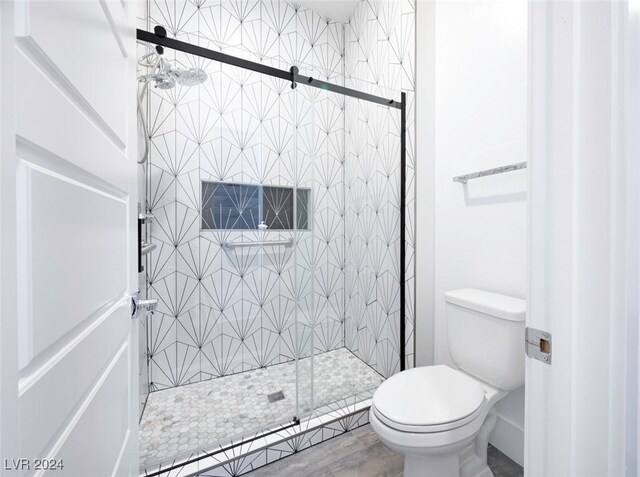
[[149, 305]]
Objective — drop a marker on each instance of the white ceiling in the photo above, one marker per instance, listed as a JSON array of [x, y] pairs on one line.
[[338, 10]]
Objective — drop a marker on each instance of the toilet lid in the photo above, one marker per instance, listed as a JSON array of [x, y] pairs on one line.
[[428, 396]]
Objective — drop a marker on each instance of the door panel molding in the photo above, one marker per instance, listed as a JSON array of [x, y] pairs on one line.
[[69, 231], [55, 450], [46, 361], [49, 405], [39, 60], [97, 65]]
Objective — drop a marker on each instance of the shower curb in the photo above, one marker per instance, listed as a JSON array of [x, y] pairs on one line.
[[254, 452]]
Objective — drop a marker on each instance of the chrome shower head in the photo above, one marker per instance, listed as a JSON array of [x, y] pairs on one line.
[[191, 76]]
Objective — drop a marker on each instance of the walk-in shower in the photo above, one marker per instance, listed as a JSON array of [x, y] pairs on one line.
[[277, 199]]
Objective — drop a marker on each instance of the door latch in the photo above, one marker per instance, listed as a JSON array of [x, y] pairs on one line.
[[538, 344]]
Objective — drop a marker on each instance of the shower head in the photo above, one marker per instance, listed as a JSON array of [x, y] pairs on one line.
[[191, 76], [164, 76]]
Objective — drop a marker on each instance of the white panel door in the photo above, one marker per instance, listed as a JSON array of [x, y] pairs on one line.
[[578, 239], [72, 211]]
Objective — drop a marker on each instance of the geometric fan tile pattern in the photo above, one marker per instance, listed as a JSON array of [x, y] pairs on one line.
[[222, 310], [379, 59]]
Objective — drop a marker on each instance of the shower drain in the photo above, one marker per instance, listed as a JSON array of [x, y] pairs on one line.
[[279, 396]]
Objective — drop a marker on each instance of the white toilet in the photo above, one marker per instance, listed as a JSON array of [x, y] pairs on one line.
[[439, 417]]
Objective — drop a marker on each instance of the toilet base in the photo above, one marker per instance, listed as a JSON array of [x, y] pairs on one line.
[[431, 466], [463, 464], [474, 466]]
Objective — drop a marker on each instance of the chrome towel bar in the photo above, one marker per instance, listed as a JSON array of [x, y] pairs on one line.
[[490, 172], [270, 243]]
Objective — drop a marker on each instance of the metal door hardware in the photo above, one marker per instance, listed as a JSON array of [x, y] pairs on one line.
[[538, 344]]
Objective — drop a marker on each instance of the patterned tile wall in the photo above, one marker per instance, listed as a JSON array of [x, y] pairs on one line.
[[225, 311], [221, 311], [379, 59]]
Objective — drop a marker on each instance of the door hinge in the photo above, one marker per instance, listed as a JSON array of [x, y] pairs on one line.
[[538, 344]]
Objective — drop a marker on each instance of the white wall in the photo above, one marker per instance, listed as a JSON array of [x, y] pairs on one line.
[[480, 105]]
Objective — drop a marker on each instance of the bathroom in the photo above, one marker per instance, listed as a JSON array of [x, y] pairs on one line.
[[319, 238]]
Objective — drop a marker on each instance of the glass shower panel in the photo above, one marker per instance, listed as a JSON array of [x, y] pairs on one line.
[[372, 176], [231, 189], [357, 245]]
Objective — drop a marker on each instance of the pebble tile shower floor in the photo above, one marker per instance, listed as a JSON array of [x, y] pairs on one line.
[[197, 416]]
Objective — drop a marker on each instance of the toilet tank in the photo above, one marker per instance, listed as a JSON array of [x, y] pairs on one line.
[[486, 336]]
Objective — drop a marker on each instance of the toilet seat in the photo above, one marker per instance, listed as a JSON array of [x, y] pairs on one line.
[[429, 399]]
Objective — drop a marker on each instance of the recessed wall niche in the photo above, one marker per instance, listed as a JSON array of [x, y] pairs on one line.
[[232, 206]]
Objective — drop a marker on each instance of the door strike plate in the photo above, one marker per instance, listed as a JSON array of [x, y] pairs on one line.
[[538, 344]]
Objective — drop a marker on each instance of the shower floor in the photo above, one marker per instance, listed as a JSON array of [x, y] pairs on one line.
[[181, 420]]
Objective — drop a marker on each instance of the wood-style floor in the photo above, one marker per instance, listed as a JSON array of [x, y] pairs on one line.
[[359, 453]]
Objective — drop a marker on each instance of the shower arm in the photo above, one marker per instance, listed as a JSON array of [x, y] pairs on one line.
[[145, 85]]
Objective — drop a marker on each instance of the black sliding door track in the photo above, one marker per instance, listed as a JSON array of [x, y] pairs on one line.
[[159, 37], [291, 75]]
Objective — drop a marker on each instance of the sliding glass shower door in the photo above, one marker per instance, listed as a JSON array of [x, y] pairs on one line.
[[230, 185], [355, 149], [278, 262]]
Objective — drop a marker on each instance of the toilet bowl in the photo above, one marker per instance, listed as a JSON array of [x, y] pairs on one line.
[[434, 416], [440, 417]]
